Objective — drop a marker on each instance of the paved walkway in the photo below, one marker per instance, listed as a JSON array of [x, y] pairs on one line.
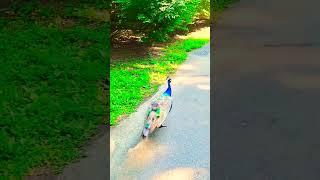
[[267, 118]]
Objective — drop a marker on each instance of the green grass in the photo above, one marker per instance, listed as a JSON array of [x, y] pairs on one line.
[[135, 79], [51, 97]]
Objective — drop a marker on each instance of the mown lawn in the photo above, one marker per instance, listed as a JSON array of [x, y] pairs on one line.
[[51, 96], [132, 80]]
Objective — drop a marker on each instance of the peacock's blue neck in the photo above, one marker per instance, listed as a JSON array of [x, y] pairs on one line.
[[168, 91]]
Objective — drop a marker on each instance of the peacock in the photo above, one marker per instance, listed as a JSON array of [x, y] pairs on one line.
[[158, 111]]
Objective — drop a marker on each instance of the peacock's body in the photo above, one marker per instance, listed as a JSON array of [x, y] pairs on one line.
[[159, 110]]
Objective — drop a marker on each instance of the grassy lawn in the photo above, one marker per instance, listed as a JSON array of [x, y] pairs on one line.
[[133, 80], [51, 95]]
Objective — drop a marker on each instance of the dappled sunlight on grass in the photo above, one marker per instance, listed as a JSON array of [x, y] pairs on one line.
[[93, 13], [143, 66], [157, 77]]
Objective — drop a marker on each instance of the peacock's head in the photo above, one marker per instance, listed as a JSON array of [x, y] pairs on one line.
[[169, 80]]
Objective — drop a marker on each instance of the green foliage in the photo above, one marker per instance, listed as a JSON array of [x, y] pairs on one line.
[[156, 19], [204, 9], [218, 5], [75, 8], [136, 79], [50, 93]]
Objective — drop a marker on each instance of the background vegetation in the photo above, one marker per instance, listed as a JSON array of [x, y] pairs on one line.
[[218, 5], [52, 98], [156, 20]]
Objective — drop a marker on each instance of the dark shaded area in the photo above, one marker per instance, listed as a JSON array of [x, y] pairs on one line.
[[267, 81], [52, 94], [4, 3], [94, 164]]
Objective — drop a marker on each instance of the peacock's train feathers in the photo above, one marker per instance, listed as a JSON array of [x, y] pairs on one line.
[[160, 107]]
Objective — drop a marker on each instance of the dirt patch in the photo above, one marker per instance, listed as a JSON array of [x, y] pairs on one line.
[[201, 33], [136, 50], [199, 24]]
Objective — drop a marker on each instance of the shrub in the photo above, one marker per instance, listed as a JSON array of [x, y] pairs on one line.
[[157, 20], [204, 9], [221, 4]]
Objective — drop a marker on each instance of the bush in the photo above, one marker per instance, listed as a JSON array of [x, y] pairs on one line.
[[221, 4], [157, 20], [204, 9]]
